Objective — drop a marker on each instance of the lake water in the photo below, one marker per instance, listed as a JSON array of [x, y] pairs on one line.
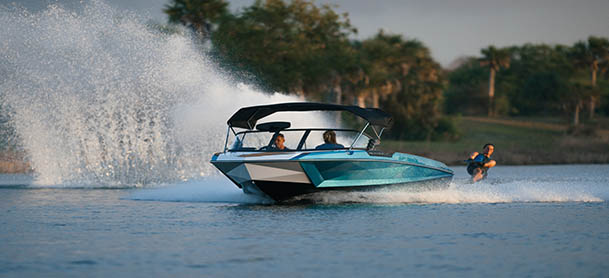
[[523, 221]]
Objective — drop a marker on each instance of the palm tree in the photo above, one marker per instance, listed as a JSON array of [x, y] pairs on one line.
[[574, 98], [197, 14], [494, 59], [592, 54]]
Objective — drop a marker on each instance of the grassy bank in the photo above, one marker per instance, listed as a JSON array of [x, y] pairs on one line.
[[517, 141]]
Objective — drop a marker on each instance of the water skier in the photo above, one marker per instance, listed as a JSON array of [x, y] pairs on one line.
[[479, 163]]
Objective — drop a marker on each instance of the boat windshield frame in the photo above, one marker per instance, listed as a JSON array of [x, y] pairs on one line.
[[302, 140]]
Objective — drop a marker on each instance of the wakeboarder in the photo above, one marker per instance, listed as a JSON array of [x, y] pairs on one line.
[[479, 163]]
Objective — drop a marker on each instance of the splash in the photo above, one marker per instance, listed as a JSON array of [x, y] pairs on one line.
[[506, 184], [211, 189], [97, 97], [461, 192]]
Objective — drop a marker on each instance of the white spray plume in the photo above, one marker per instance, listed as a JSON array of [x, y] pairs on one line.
[[97, 97]]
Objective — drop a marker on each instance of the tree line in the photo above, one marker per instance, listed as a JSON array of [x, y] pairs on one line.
[[301, 48], [532, 80]]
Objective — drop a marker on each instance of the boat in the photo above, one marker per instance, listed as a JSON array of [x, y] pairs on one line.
[[254, 164]]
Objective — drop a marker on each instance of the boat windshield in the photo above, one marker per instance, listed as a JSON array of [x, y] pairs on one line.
[[297, 139]]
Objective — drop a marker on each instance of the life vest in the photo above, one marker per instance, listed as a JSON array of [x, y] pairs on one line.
[[477, 162]]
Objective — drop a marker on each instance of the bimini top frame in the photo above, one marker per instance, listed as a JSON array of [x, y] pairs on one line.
[[248, 116]]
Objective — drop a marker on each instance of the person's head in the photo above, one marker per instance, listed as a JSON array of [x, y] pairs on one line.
[[329, 137], [488, 149], [279, 140]]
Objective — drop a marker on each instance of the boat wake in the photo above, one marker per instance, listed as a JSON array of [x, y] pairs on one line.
[[493, 190], [461, 192]]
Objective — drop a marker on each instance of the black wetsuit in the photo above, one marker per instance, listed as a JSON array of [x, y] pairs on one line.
[[478, 162]]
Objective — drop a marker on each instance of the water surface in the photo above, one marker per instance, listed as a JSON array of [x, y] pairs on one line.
[[523, 221]]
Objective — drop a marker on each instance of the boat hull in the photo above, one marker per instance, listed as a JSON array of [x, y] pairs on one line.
[[282, 176], [282, 191]]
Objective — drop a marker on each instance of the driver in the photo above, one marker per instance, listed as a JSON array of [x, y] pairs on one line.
[[279, 140]]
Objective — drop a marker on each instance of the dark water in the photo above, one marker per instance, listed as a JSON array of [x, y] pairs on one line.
[[523, 221]]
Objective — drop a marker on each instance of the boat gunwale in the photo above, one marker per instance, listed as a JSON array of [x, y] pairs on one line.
[[445, 170]]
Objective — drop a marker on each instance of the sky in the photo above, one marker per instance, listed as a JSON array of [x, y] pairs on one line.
[[450, 28]]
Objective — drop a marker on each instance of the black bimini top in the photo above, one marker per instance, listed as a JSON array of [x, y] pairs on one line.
[[247, 117]]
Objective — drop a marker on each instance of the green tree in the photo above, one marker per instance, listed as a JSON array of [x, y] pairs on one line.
[[494, 59], [573, 96], [404, 80], [603, 86], [380, 59], [300, 48], [537, 72], [592, 54], [467, 91], [197, 14], [294, 47], [541, 80]]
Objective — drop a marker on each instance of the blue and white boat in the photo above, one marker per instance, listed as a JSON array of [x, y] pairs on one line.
[[256, 166]]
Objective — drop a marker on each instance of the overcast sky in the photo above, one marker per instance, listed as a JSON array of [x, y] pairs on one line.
[[450, 28]]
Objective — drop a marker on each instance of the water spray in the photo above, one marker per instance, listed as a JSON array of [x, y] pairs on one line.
[[98, 97]]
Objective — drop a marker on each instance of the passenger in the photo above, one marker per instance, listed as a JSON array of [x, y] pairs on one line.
[[329, 142], [279, 140], [479, 163]]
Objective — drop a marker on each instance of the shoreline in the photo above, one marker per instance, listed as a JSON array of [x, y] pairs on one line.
[[22, 167], [518, 141], [520, 158]]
